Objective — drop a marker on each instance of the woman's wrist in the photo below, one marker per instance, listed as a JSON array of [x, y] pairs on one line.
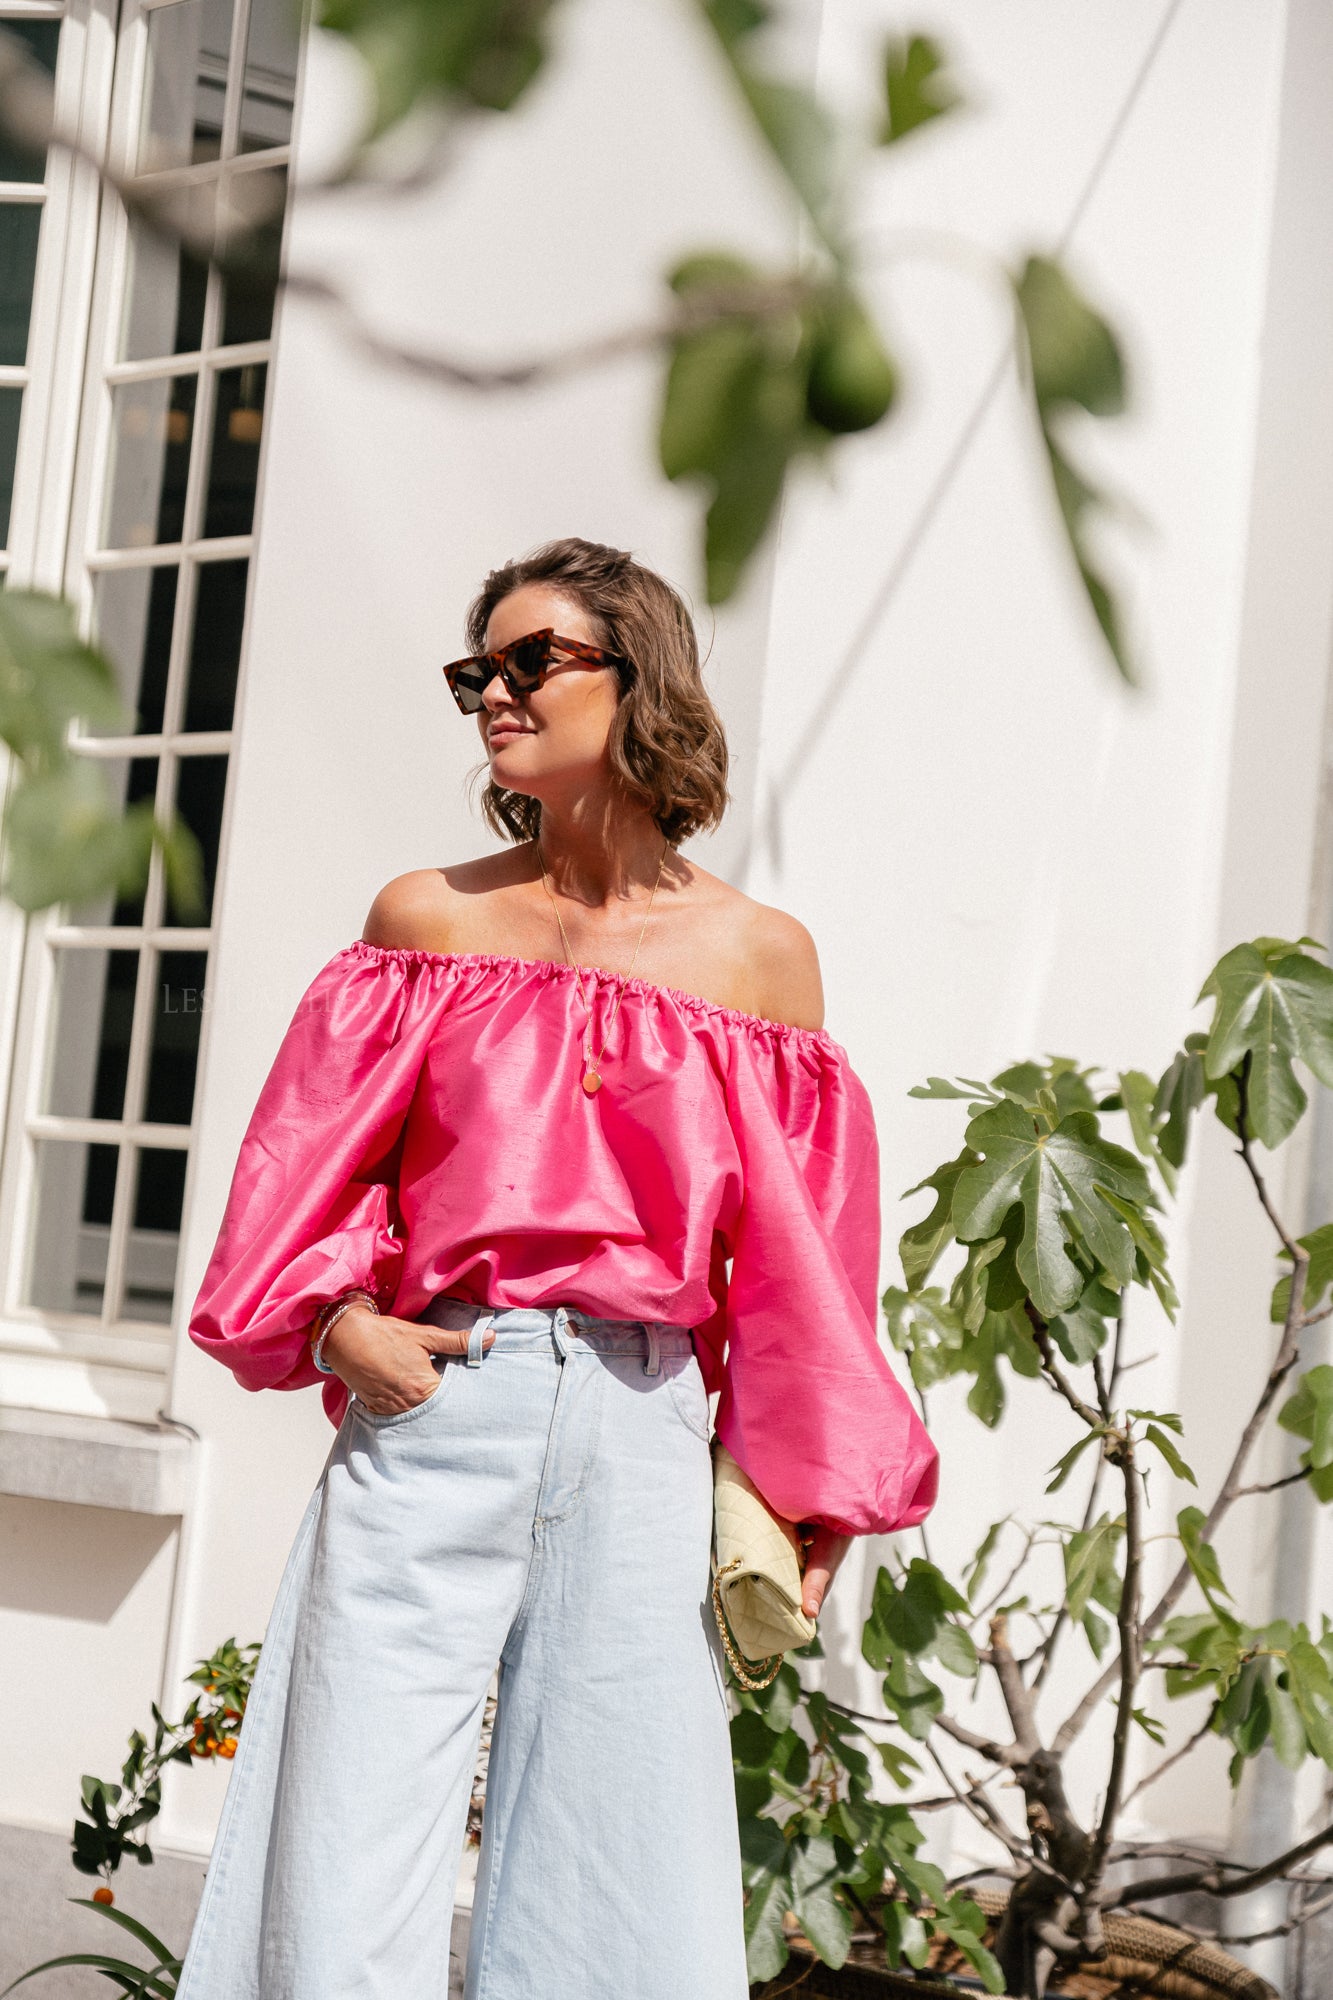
[[356, 1298]]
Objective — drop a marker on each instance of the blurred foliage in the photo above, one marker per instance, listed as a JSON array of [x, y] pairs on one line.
[[64, 836], [762, 369]]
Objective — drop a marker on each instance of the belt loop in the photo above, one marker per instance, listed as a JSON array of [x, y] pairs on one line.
[[560, 1331], [653, 1365], [477, 1333]]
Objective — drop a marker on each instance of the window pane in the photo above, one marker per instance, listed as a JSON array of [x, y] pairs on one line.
[[40, 38], [164, 299], [67, 1252], [247, 300], [89, 1050], [185, 84], [215, 652], [11, 406], [152, 423], [19, 226], [201, 784], [269, 83], [150, 1259], [128, 781], [234, 465], [134, 610], [178, 1005]]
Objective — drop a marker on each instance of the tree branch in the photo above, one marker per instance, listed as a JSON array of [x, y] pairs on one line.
[[1015, 1690], [1223, 1878], [1288, 1353], [1127, 1619], [1160, 1770], [1053, 1371]]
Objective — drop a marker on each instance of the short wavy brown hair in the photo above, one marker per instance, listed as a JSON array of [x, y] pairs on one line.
[[667, 746]]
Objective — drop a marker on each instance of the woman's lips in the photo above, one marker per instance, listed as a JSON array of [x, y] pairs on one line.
[[496, 737]]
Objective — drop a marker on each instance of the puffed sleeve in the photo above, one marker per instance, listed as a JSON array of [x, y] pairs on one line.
[[313, 1201], [810, 1406]]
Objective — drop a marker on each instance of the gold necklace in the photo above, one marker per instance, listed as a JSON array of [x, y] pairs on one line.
[[592, 1076]]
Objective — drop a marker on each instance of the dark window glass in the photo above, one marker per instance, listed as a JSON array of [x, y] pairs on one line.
[[247, 299], [11, 407], [67, 1254], [201, 784], [152, 425], [150, 1261], [135, 608], [185, 83], [215, 650], [234, 464], [178, 1004], [128, 781], [164, 299], [89, 1050], [20, 224], [269, 83], [41, 39]]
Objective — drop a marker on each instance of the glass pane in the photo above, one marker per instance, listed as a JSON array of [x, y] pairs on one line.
[[234, 466], [164, 299], [152, 423], [178, 1005], [215, 653], [89, 1050], [40, 38], [134, 609], [269, 82], [150, 1256], [67, 1251], [128, 780], [185, 85], [19, 226], [11, 406], [247, 299], [201, 784]]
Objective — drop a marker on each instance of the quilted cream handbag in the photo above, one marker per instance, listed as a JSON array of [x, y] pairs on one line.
[[757, 1566]]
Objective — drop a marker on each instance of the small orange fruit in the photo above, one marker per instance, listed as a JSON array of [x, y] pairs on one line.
[[103, 1895], [227, 1747]]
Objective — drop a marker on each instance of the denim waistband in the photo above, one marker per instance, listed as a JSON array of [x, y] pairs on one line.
[[538, 1329]]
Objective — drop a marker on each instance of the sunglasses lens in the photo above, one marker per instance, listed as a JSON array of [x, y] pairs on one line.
[[527, 662], [467, 682]]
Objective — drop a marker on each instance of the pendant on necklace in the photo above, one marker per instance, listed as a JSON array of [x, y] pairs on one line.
[[592, 1083]]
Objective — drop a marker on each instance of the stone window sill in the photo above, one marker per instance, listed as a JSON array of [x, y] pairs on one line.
[[94, 1462]]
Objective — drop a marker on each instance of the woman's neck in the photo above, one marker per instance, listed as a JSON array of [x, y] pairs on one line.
[[597, 854]]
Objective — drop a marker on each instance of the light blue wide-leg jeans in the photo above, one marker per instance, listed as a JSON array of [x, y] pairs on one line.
[[548, 1509]]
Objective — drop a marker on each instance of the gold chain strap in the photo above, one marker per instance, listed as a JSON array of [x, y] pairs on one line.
[[746, 1671]]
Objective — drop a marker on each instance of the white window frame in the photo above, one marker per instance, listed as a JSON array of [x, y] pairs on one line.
[[48, 1359]]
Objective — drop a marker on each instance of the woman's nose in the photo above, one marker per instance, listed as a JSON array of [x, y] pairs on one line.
[[495, 694]]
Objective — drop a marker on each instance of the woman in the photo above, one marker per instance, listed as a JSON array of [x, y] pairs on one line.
[[511, 1142]]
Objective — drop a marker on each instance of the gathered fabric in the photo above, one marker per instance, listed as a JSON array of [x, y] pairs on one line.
[[423, 1130]]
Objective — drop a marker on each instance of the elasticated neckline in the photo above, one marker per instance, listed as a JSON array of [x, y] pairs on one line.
[[554, 968]]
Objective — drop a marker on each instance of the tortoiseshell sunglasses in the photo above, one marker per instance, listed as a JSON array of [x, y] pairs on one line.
[[522, 665]]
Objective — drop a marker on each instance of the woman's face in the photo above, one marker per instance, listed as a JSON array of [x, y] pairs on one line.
[[553, 739]]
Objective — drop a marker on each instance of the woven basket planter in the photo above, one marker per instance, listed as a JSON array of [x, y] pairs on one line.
[[1143, 1958]]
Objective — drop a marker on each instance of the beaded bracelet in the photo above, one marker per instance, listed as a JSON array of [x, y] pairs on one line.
[[327, 1317]]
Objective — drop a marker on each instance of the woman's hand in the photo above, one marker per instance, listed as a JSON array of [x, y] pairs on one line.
[[823, 1559], [386, 1361]]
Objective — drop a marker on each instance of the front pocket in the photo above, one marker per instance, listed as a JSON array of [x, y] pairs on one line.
[[685, 1386], [418, 1409]]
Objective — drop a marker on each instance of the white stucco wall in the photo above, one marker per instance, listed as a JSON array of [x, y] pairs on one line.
[[999, 850]]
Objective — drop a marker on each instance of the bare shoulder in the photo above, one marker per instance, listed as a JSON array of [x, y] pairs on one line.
[[786, 967], [776, 963], [428, 909]]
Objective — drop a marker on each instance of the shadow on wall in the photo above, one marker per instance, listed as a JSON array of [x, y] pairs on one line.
[[60, 1561]]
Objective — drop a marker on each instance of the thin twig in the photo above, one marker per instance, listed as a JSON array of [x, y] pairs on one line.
[[975, 1802], [1176, 1757], [1053, 1371], [1288, 1353], [1127, 1620], [1223, 1878]]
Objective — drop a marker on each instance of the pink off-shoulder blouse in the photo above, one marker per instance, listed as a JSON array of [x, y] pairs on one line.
[[423, 1129]]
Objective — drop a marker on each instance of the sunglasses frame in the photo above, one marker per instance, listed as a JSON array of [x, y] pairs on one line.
[[547, 640]]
